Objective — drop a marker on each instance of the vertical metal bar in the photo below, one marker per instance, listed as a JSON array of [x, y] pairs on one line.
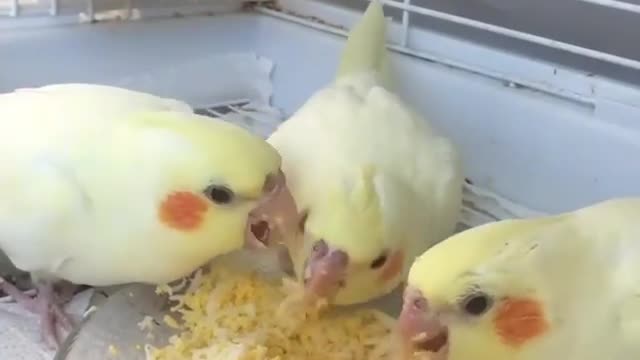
[[129, 5], [14, 8], [405, 24], [53, 10], [90, 10]]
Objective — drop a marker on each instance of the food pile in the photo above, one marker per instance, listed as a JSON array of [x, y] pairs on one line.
[[236, 316]]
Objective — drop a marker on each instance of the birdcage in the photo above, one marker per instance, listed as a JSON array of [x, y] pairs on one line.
[[542, 97]]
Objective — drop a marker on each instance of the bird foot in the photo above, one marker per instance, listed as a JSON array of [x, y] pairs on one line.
[[43, 304]]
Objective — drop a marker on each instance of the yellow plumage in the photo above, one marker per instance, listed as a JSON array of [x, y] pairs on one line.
[[103, 186], [372, 175], [581, 267], [85, 168]]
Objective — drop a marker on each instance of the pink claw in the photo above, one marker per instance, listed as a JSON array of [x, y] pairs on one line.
[[50, 312]]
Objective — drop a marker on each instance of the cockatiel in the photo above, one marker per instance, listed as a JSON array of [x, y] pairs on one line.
[[562, 287], [375, 184], [102, 186]]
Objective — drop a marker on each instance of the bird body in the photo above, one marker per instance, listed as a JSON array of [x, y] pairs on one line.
[[565, 286], [376, 184], [103, 185]]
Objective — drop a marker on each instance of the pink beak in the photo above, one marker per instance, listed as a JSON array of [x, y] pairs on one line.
[[325, 271], [419, 328], [275, 216]]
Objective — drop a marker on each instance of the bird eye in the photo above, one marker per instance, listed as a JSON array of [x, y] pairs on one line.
[[219, 194], [476, 304], [379, 261]]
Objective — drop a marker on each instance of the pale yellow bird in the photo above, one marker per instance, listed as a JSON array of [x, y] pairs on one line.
[[102, 185], [562, 287], [376, 185]]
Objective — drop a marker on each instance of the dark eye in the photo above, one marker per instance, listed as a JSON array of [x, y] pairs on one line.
[[379, 261], [219, 194], [476, 304]]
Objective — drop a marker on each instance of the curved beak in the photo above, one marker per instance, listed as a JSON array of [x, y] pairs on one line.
[[325, 272], [275, 217], [420, 329]]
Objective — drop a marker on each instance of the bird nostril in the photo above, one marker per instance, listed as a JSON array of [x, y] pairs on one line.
[[420, 303]]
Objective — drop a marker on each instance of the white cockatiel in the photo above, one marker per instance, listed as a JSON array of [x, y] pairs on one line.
[[375, 184], [102, 185], [559, 287]]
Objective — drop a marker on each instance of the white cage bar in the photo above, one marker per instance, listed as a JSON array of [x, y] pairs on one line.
[[408, 8], [615, 4]]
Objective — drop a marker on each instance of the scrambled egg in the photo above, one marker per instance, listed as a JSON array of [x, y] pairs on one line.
[[233, 316], [113, 351]]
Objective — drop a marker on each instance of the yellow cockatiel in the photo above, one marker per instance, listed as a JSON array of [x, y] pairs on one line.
[[561, 287], [102, 185], [375, 184]]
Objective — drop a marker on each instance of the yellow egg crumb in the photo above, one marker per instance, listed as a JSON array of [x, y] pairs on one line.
[[164, 289], [146, 323], [171, 322], [113, 351], [234, 316]]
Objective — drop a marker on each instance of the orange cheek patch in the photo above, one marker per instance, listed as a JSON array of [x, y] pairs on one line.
[[182, 210], [520, 320], [393, 266]]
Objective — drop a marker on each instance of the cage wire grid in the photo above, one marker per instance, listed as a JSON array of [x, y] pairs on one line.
[[480, 205], [408, 10]]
